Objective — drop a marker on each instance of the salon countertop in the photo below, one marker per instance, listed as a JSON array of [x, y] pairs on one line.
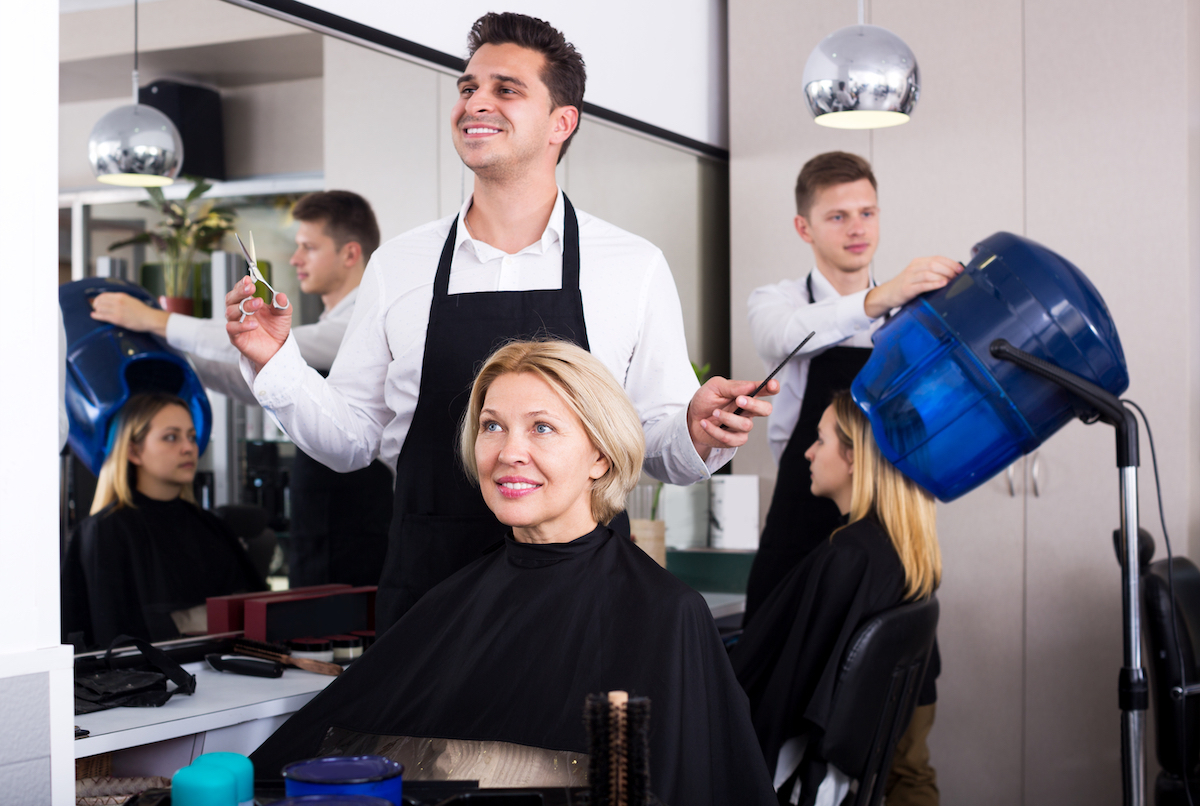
[[221, 700]]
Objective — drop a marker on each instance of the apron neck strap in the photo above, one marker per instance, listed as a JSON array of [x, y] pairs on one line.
[[570, 250]]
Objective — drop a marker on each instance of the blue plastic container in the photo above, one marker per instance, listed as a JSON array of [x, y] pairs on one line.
[[345, 775], [106, 365], [948, 414]]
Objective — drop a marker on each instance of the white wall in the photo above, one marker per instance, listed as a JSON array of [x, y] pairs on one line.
[[662, 63], [35, 672]]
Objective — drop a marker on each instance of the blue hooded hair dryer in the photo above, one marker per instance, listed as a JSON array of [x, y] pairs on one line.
[[106, 365], [950, 414]]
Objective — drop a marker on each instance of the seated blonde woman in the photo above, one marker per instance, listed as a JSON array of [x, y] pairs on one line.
[[886, 554], [147, 557], [486, 676]]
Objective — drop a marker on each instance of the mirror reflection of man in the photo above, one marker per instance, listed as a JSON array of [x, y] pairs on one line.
[[837, 214], [339, 521], [518, 260]]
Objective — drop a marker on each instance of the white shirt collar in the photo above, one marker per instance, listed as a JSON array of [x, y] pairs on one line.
[[823, 289], [552, 235]]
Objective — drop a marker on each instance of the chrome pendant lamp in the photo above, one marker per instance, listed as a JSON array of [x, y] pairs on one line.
[[861, 77], [135, 145]]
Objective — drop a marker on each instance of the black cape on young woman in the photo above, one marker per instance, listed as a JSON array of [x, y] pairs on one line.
[[508, 648], [788, 657], [126, 570]]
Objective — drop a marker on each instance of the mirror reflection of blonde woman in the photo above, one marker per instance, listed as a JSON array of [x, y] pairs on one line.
[[147, 557]]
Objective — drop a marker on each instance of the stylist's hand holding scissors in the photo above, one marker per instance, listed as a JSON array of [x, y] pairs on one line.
[[263, 330]]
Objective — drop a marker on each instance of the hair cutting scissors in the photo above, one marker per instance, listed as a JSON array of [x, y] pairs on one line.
[[256, 275]]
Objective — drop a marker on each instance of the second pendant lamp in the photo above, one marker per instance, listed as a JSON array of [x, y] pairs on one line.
[[861, 77]]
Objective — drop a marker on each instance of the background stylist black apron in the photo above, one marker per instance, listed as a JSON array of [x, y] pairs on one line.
[[798, 520], [439, 520]]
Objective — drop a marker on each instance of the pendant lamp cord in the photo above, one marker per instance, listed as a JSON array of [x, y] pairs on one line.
[[136, 49]]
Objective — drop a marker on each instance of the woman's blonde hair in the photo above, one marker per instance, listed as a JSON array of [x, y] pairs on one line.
[[118, 476], [590, 391], [906, 510]]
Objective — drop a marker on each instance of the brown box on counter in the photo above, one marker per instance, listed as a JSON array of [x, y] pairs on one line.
[[312, 613], [227, 613]]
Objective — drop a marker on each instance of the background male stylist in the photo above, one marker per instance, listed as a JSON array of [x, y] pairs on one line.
[[339, 521], [518, 260], [837, 213]]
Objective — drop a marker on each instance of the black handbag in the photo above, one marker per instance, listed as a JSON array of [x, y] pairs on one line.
[[139, 687]]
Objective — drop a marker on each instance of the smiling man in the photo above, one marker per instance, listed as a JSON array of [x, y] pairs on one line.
[[837, 214], [518, 260]]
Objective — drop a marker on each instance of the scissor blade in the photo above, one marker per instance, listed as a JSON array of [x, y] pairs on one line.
[[253, 254], [245, 253]]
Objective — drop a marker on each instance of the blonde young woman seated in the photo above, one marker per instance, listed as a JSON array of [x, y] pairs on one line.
[[888, 553], [145, 560], [486, 676]]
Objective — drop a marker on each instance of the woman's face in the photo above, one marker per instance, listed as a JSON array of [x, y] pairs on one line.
[[166, 458], [832, 464], [536, 462]]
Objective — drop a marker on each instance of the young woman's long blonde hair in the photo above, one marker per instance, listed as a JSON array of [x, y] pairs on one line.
[[118, 476], [906, 510]]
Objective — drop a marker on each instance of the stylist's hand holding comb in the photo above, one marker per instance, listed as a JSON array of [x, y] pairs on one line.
[[711, 419]]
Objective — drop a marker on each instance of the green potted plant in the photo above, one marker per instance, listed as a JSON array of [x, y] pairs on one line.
[[187, 227]]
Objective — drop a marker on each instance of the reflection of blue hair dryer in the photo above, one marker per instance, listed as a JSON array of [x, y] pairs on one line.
[[106, 365], [947, 412]]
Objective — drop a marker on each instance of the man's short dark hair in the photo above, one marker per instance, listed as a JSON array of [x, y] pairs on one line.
[[347, 217], [826, 170], [564, 74]]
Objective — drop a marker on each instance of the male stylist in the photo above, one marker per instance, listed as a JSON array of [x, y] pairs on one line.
[[837, 213], [517, 261], [339, 521]]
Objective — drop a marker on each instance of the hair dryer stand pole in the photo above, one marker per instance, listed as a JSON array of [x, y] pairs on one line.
[[1132, 691]]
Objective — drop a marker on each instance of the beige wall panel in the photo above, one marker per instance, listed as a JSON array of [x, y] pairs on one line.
[[381, 134], [1100, 191], [976, 741], [1192, 346], [1073, 622], [162, 25], [273, 128], [947, 179]]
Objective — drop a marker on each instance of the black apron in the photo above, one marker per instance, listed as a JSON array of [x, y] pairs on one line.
[[439, 520], [798, 520]]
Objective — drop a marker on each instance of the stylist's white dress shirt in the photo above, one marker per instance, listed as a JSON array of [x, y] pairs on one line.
[[364, 409], [780, 317], [216, 359]]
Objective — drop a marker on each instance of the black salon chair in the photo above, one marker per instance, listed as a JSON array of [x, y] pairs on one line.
[[1176, 723], [876, 694]]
